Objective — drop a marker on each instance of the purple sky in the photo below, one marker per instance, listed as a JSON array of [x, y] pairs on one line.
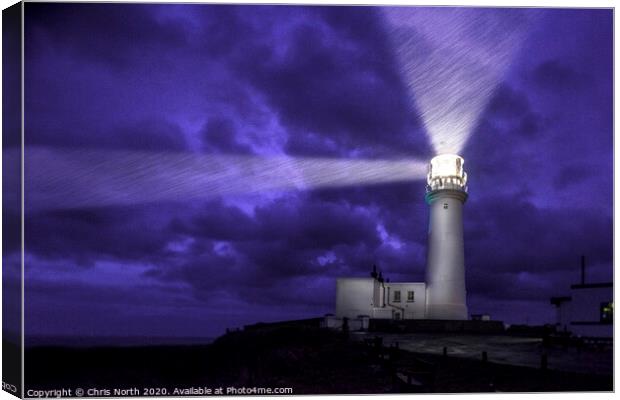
[[315, 82]]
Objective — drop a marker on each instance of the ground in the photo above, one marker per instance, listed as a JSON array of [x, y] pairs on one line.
[[504, 349], [308, 360]]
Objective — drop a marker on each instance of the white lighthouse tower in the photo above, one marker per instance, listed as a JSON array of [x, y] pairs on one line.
[[443, 295], [445, 270]]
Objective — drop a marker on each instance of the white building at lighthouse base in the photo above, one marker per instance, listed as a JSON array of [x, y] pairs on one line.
[[369, 297]]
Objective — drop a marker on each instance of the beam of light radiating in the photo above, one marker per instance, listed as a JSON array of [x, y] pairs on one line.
[[76, 178], [452, 60]]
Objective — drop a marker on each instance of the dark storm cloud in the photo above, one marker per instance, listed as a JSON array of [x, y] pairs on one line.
[[508, 103], [218, 135], [316, 225], [556, 236], [149, 135], [331, 78], [217, 221], [153, 134], [530, 125], [391, 202], [554, 75], [112, 34], [539, 192], [283, 240], [226, 29], [96, 76], [572, 174], [401, 211], [87, 235], [336, 91], [72, 92], [228, 249], [279, 249], [497, 219], [512, 108]]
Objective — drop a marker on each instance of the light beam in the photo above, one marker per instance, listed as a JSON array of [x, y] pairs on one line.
[[452, 59], [61, 178]]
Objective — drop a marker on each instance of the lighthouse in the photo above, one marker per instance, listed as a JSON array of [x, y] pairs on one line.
[[442, 296], [445, 270]]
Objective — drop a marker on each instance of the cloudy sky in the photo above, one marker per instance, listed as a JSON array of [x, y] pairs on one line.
[[303, 82]]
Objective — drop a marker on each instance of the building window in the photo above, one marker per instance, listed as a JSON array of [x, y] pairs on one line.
[[445, 206], [397, 296], [607, 312], [410, 296]]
